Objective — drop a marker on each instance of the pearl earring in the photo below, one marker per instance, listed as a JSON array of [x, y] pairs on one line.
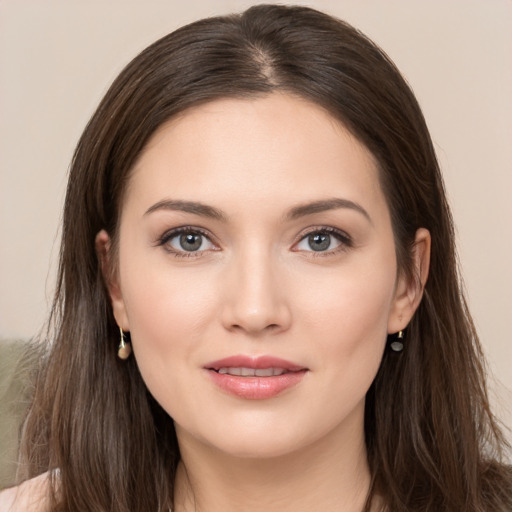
[[125, 349]]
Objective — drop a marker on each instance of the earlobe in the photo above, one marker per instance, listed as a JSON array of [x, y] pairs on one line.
[[409, 290], [103, 250]]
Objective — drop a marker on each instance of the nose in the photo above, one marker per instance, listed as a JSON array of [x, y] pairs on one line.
[[255, 297]]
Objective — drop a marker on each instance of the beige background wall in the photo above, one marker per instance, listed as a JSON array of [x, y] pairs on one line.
[[58, 57]]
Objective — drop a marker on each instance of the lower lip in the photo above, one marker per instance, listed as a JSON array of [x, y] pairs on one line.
[[256, 388]]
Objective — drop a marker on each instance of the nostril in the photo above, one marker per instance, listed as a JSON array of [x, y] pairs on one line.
[[270, 327], [265, 317]]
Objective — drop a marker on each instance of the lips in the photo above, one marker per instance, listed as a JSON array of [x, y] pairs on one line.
[[255, 378]]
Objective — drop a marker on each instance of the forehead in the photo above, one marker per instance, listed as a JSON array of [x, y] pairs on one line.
[[277, 148]]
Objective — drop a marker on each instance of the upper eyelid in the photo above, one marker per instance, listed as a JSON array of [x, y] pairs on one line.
[[164, 242], [322, 229], [171, 233], [344, 239]]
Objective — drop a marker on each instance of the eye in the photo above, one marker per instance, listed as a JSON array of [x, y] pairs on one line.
[[182, 241], [323, 240]]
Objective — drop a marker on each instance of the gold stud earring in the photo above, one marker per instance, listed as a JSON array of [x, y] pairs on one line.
[[398, 344], [125, 349]]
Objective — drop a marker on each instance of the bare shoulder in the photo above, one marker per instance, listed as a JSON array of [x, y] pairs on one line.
[[30, 496]]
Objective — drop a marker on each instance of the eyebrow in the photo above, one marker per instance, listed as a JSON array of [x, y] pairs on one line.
[[325, 205], [189, 207], [296, 212]]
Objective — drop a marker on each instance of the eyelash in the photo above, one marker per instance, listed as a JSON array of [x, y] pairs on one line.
[[343, 238], [164, 240]]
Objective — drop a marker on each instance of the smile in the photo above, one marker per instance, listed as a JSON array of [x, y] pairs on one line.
[[255, 378]]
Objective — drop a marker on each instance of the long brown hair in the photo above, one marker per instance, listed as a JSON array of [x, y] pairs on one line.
[[433, 444]]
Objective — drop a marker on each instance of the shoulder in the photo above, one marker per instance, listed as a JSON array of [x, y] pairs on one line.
[[30, 496]]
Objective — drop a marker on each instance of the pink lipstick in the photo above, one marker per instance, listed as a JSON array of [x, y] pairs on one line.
[[255, 378]]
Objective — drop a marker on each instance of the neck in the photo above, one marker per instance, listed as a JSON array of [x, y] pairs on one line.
[[330, 474]]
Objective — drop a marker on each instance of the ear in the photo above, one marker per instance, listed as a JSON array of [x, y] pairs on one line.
[[103, 246], [409, 289]]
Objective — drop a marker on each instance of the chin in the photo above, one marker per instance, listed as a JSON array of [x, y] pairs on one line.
[[262, 435]]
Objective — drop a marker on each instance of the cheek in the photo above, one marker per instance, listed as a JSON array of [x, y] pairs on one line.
[[168, 313], [350, 301], [346, 314]]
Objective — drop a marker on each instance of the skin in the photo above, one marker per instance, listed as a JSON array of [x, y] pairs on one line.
[[256, 287], [30, 496]]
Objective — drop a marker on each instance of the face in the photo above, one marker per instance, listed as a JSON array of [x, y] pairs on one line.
[[257, 274]]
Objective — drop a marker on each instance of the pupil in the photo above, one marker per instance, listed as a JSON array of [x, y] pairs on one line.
[[319, 241], [190, 241]]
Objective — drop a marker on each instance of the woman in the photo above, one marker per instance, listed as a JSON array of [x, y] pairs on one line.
[[257, 211]]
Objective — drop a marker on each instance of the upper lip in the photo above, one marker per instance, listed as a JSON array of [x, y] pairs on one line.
[[257, 363]]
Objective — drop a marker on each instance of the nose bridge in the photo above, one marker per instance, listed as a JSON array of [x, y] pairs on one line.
[[257, 300]]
